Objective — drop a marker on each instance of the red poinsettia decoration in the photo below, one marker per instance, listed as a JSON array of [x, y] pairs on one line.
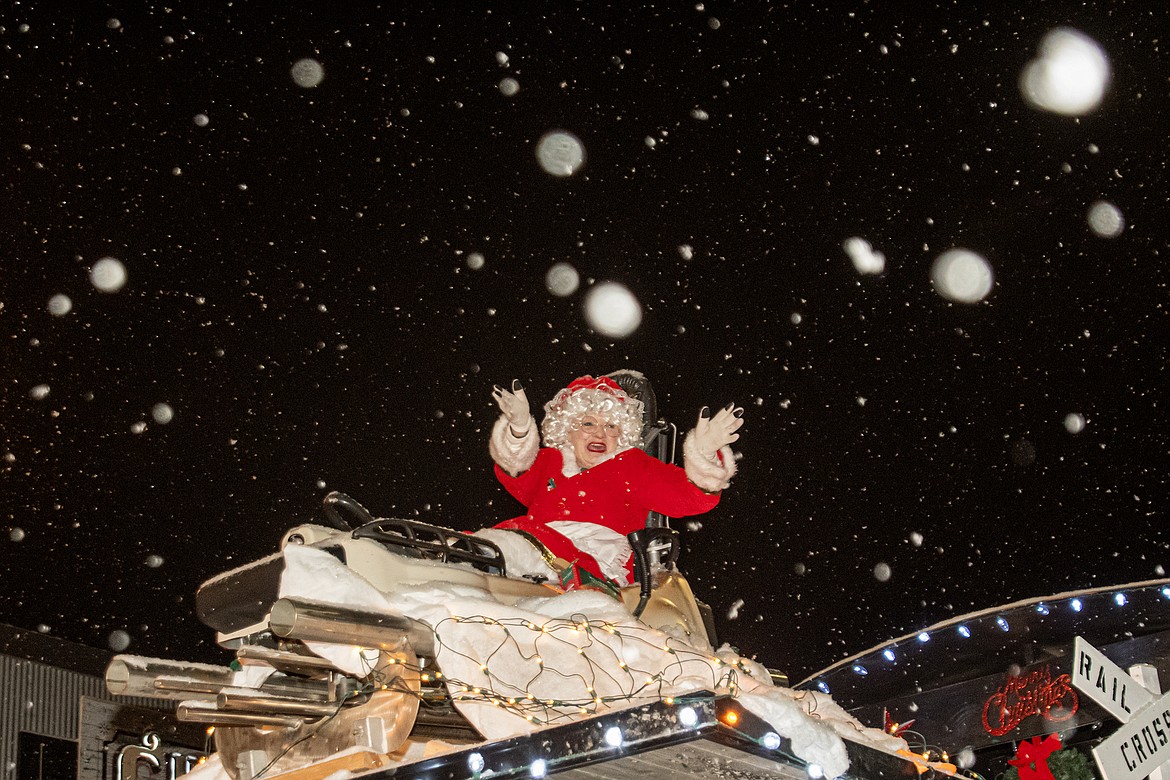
[[1032, 757], [893, 727]]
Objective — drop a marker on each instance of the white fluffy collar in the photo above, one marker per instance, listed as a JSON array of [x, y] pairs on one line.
[[569, 465]]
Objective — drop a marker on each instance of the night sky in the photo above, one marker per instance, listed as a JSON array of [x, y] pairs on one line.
[[325, 281]]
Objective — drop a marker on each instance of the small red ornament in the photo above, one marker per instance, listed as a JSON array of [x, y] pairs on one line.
[[897, 729]]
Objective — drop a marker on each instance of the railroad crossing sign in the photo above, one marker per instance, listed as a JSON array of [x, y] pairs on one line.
[[1142, 744]]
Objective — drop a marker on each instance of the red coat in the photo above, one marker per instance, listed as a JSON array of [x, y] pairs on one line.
[[618, 494]]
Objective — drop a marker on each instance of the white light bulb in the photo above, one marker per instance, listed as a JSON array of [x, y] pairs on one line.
[[475, 763]]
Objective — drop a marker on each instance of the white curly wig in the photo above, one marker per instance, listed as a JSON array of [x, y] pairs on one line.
[[599, 396]]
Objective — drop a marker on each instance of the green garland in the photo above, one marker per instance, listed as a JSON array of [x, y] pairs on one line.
[[1065, 764]]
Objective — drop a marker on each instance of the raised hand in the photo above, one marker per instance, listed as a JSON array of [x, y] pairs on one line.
[[714, 433], [514, 406]]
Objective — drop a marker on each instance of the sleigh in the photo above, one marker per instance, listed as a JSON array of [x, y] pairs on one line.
[[283, 704]]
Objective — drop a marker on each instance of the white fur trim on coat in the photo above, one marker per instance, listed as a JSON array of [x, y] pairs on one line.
[[569, 465], [709, 474], [513, 455], [521, 557]]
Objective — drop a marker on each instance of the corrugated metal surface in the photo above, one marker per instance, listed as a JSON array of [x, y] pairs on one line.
[[40, 699], [46, 700]]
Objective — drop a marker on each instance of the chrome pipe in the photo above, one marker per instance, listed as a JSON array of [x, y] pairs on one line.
[[291, 619], [272, 705], [190, 712], [285, 661], [288, 687], [135, 675]]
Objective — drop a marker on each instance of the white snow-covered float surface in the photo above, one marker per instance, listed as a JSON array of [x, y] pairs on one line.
[[512, 670]]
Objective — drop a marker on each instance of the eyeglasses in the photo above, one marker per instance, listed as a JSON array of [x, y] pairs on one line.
[[590, 428]]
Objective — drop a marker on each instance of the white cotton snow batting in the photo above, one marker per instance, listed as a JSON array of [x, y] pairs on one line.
[[1105, 219], [315, 575], [560, 153], [307, 72], [816, 738], [612, 310], [865, 258], [811, 741], [579, 650], [108, 275], [962, 276], [562, 279], [1070, 75]]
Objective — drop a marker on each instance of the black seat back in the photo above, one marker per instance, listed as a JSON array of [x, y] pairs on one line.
[[659, 437], [657, 544]]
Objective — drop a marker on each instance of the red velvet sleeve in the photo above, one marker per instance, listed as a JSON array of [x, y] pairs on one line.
[[664, 487], [525, 486]]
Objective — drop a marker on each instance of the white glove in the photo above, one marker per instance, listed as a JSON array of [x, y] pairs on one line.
[[714, 433], [514, 406]]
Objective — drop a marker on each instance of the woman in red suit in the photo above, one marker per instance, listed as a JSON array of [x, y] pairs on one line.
[[590, 484]]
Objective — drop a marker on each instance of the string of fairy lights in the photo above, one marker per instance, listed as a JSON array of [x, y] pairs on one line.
[[611, 678], [607, 673], [389, 672]]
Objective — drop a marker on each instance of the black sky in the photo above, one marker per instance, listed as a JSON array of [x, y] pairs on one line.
[[299, 292]]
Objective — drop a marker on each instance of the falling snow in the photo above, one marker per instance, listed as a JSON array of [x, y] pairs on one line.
[[307, 73], [961, 275], [612, 310], [560, 153], [108, 275], [1069, 77], [925, 250]]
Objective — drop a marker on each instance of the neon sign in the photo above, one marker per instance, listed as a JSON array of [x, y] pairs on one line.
[[1034, 693]]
